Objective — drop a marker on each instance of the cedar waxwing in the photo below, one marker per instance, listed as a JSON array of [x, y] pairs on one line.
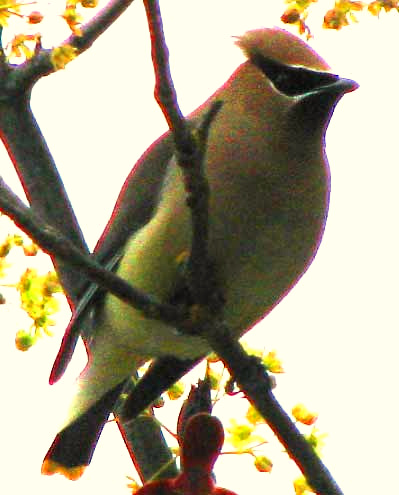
[[269, 182]]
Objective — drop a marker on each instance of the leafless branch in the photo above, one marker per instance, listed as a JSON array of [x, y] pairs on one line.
[[26, 74], [190, 145], [52, 241], [254, 381]]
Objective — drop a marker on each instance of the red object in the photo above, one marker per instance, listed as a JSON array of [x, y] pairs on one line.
[[201, 446]]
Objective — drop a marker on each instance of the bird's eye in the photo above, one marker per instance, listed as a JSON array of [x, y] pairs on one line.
[[282, 80], [292, 80]]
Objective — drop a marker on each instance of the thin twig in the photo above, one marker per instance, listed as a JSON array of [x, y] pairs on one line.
[[26, 74], [190, 145], [165, 93]]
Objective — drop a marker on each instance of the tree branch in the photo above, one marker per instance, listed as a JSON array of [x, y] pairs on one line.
[[164, 91], [254, 381], [25, 75], [40, 179], [52, 241], [191, 145]]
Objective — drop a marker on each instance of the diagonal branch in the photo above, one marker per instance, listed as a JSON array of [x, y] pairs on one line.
[[40, 179], [26, 74], [52, 241], [254, 381], [27, 147]]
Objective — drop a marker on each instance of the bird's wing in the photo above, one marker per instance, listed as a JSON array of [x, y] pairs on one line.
[[138, 198], [134, 208]]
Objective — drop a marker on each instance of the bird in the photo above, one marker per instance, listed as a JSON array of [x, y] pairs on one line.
[[269, 183]]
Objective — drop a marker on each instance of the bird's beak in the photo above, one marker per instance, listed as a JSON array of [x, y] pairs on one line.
[[340, 86]]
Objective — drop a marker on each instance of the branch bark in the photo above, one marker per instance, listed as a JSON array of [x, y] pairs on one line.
[[41, 181]]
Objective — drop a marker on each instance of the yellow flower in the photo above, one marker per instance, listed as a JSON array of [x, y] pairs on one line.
[[176, 391], [253, 416], [242, 436], [263, 464], [303, 415], [73, 19], [37, 301], [301, 487], [89, 4], [24, 340], [62, 55], [316, 440], [273, 363], [8, 8], [19, 47]]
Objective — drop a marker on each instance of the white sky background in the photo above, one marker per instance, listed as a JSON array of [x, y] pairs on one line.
[[336, 331]]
